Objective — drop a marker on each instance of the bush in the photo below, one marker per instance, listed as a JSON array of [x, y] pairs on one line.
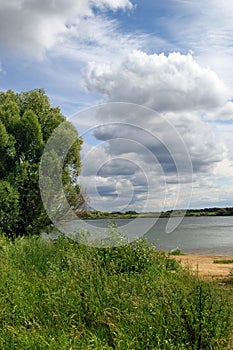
[[132, 257]]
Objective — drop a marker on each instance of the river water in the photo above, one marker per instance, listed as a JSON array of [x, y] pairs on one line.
[[200, 235]]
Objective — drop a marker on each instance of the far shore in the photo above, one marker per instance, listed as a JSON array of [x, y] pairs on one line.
[[203, 265]]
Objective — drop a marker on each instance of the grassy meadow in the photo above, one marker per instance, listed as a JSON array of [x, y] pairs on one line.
[[62, 295]]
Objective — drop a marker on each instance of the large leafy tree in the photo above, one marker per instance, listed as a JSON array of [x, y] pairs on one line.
[[26, 122]]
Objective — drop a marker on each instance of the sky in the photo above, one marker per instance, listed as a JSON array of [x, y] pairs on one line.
[[149, 86]]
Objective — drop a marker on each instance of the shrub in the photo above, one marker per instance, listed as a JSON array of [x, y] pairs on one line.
[[132, 257]]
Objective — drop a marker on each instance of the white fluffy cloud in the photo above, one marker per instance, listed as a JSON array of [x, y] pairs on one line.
[[183, 92], [223, 113], [33, 26], [111, 4], [164, 83], [154, 155], [176, 86], [206, 27]]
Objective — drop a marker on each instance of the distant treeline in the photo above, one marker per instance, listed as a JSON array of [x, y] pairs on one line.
[[210, 211], [200, 212], [98, 214]]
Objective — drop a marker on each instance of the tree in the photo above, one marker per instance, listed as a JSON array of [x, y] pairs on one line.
[[27, 120]]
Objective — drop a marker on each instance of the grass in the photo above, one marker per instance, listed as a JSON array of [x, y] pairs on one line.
[[223, 261], [61, 295]]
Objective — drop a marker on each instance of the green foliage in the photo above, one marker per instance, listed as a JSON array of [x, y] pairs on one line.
[[223, 261], [26, 122], [175, 251], [210, 212], [9, 205], [7, 151], [29, 137], [231, 277], [58, 295], [133, 257]]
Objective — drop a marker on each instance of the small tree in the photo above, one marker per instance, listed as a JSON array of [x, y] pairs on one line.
[[26, 122]]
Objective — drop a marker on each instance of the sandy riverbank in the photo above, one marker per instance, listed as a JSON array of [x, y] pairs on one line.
[[204, 265]]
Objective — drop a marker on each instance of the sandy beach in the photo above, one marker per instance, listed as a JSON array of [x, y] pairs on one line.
[[204, 265]]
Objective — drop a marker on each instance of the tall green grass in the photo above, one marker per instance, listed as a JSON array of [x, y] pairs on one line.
[[61, 295]]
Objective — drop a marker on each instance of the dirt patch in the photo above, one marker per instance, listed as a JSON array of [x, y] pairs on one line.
[[203, 265]]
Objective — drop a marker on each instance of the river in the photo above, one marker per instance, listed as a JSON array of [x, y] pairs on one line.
[[199, 235]]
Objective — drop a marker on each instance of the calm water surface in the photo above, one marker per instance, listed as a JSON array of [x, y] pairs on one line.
[[201, 235]]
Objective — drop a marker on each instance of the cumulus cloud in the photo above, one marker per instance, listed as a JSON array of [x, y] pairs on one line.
[[171, 146], [33, 26], [164, 83], [223, 113], [205, 147], [176, 86], [165, 147], [117, 166], [138, 159], [208, 32], [112, 4], [108, 193]]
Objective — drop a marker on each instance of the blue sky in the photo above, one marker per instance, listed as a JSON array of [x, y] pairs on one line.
[[173, 57]]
